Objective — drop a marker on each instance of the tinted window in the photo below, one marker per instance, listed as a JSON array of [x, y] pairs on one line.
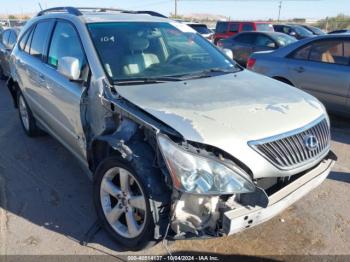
[[347, 49], [245, 38], [302, 53], [5, 37], [202, 29], [65, 43], [41, 33], [247, 27], [263, 40], [329, 52], [221, 27], [302, 31], [233, 27], [12, 39]]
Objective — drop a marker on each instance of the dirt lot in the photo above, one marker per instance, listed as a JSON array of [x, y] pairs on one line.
[[46, 205]]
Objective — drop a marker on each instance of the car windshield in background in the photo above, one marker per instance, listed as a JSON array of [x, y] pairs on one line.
[[139, 50], [202, 29], [264, 27], [283, 39], [316, 30], [302, 31]]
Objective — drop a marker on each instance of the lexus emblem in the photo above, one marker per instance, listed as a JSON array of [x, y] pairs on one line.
[[311, 142]]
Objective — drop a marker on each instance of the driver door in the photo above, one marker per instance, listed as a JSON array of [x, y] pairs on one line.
[[63, 95]]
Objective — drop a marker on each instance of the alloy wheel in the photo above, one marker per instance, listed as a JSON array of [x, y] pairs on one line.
[[123, 202]]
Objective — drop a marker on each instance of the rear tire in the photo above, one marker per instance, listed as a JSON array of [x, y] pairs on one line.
[[117, 185], [26, 116]]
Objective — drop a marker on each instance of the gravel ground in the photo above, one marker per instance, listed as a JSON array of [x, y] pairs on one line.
[[46, 206]]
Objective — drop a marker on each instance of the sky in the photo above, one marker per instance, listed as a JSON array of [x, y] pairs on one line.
[[235, 9]]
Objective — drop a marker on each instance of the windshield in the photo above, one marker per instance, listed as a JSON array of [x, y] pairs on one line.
[[264, 27], [134, 50], [202, 29], [302, 31], [283, 39]]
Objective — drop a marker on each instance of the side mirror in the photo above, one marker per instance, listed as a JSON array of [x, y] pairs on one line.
[[228, 52], [69, 67]]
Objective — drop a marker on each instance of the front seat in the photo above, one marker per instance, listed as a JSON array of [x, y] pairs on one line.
[[138, 60]]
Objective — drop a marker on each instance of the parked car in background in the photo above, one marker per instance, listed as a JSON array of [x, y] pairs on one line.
[[201, 29], [226, 29], [319, 66], [341, 31], [313, 29], [296, 31], [8, 39], [179, 141], [244, 44]]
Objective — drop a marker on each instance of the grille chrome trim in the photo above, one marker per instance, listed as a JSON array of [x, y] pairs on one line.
[[288, 150]]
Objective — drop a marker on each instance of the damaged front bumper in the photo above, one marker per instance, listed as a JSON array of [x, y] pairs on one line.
[[213, 216], [244, 217]]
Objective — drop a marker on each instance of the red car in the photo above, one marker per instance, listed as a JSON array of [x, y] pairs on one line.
[[226, 29]]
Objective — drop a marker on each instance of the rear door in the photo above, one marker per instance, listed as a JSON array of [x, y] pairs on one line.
[[242, 47], [64, 96], [322, 69], [30, 66]]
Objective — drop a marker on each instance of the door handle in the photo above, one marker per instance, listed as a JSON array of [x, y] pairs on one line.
[[299, 69]]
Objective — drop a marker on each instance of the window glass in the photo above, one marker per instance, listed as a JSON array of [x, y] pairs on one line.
[[286, 30], [233, 27], [41, 33], [65, 43], [200, 28], [248, 27], [221, 27], [328, 52], [264, 27], [262, 40], [131, 50], [245, 38], [283, 39], [24, 39], [29, 42], [302, 53], [347, 50], [12, 39], [5, 37]]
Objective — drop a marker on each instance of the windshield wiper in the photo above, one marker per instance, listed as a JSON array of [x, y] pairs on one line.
[[208, 72], [147, 80]]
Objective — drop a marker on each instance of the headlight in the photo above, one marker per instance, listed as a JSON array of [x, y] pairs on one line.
[[200, 175]]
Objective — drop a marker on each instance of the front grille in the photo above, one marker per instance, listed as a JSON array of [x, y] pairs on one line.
[[294, 149]]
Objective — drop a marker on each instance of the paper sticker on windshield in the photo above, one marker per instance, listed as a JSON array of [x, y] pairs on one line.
[[183, 28]]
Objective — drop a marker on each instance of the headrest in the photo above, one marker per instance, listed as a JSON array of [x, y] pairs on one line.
[[138, 43]]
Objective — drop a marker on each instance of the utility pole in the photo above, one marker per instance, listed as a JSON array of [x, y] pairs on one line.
[[175, 13], [279, 11]]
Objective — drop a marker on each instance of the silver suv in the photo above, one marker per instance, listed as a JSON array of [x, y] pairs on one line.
[[179, 140]]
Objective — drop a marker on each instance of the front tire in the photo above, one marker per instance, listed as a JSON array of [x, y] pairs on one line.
[[124, 193]]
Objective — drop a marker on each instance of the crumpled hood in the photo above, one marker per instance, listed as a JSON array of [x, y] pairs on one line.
[[226, 111]]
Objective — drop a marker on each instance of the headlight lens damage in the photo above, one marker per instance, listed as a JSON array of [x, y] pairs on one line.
[[200, 175]]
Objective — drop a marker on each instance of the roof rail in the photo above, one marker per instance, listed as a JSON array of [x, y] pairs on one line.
[[78, 11], [68, 9]]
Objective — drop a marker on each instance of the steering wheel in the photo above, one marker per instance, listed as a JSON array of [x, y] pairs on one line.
[[176, 58]]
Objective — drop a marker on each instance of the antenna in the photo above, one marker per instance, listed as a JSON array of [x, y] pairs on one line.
[[40, 6]]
